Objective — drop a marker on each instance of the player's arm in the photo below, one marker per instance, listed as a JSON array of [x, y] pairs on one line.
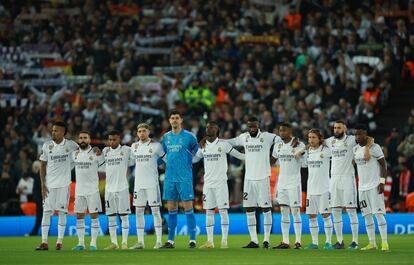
[[198, 156], [45, 190], [233, 152], [383, 171], [236, 141], [193, 145]]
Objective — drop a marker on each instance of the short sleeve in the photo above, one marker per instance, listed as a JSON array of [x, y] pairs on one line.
[[227, 147], [43, 155], [199, 153], [376, 151], [236, 141], [328, 142], [275, 138], [160, 150], [275, 153]]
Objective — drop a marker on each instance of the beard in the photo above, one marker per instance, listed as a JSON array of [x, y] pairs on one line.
[[83, 145], [339, 135], [254, 134]]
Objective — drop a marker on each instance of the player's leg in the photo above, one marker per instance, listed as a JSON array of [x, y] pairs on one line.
[[337, 200], [111, 210], [170, 194], [62, 202], [80, 230], [186, 193], [265, 202], [295, 196], [311, 211], [80, 209], [222, 199], [224, 219], [327, 226], [94, 206], [154, 201], [350, 198], [124, 209], [140, 201], [378, 207], [282, 199], [250, 203], [209, 204], [366, 212], [48, 208]]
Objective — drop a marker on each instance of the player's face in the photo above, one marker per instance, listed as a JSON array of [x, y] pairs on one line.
[[253, 127], [339, 130], [285, 133], [114, 141], [211, 130], [58, 133], [313, 140], [175, 121], [143, 134], [360, 136], [84, 140]]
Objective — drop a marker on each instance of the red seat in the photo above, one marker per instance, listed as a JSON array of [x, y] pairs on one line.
[[28, 208]]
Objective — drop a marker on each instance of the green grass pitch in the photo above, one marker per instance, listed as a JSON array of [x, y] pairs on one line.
[[20, 250]]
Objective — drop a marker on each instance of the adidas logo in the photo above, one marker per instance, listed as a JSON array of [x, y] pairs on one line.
[[225, 204], [62, 207], [379, 209], [326, 209], [266, 203], [295, 203], [154, 202], [96, 209]]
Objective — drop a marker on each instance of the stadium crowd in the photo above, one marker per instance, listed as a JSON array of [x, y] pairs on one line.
[[105, 65]]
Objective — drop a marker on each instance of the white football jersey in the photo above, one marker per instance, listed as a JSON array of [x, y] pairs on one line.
[[59, 162], [318, 161], [257, 152], [86, 170], [215, 162], [289, 172], [342, 156], [146, 157], [369, 173], [116, 168]]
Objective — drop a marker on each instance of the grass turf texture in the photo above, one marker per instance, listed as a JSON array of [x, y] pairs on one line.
[[20, 250]]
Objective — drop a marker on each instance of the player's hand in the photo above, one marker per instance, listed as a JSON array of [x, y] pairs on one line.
[[295, 142], [367, 154], [45, 191], [97, 151], [202, 142], [380, 188], [298, 155]]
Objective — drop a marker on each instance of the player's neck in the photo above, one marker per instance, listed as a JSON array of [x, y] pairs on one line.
[[363, 143], [58, 141], [314, 147], [287, 140], [86, 148], [176, 130], [145, 141], [211, 138], [116, 147], [341, 137]]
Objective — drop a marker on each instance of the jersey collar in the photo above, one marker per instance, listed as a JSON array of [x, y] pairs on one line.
[[146, 143], [86, 150], [257, 136], [60, 144], [214, 142], [119, 147]]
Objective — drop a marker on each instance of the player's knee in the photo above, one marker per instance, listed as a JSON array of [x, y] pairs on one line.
[[94, 216], [139, 210], [82, 215], [250, 209], [312, 216], [325, 215], [47, 213], [381, 219]]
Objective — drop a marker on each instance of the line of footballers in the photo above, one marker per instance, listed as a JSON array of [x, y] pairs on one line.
[[331, 183]]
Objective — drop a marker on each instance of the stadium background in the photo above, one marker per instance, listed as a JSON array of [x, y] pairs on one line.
[[100, 65]]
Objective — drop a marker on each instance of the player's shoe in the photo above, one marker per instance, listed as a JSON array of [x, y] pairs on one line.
[[266, 245], [59, 246], [112, 246], [369, 247], [282, 245], [168, 244], [385, 246], [138, 245], [298, 245], [93, 248], [43, 246], [339, 245], [192, 244], [328, 246], [353, 246], [208, 244], [124, 247], [158, 245], [312, 246], [224, 244], [78, 248], [251, 245]]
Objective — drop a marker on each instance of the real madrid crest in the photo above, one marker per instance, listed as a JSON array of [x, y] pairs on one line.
[[293, 150], [91, 158], [169, 137], [322, 156], [66, 149], [346, 144], [122, 153], [150, 150], [333, 141], [136, 146], [51, 147], [219, 149], [261, 140]]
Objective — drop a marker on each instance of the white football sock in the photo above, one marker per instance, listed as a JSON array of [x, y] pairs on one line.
[[224, 219], [297, 225], [267, 225], [327, 225], [251, 223], [112, 229], [369, 224], [80, 229], [125, 228], [61, 226], [285, 223], [337, 219], [140, 223], [157, 222], [314, 229], [382, 226], [46, 225], [353, 218], [94, 231], [210, 225]]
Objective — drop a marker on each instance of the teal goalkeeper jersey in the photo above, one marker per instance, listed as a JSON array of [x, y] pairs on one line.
[[180, 149]]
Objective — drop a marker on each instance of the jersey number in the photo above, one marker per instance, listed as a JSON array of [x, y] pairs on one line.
[[245, 196], [204, 197], [135, 195], [107, 204], [363, 204], [307, 202]]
